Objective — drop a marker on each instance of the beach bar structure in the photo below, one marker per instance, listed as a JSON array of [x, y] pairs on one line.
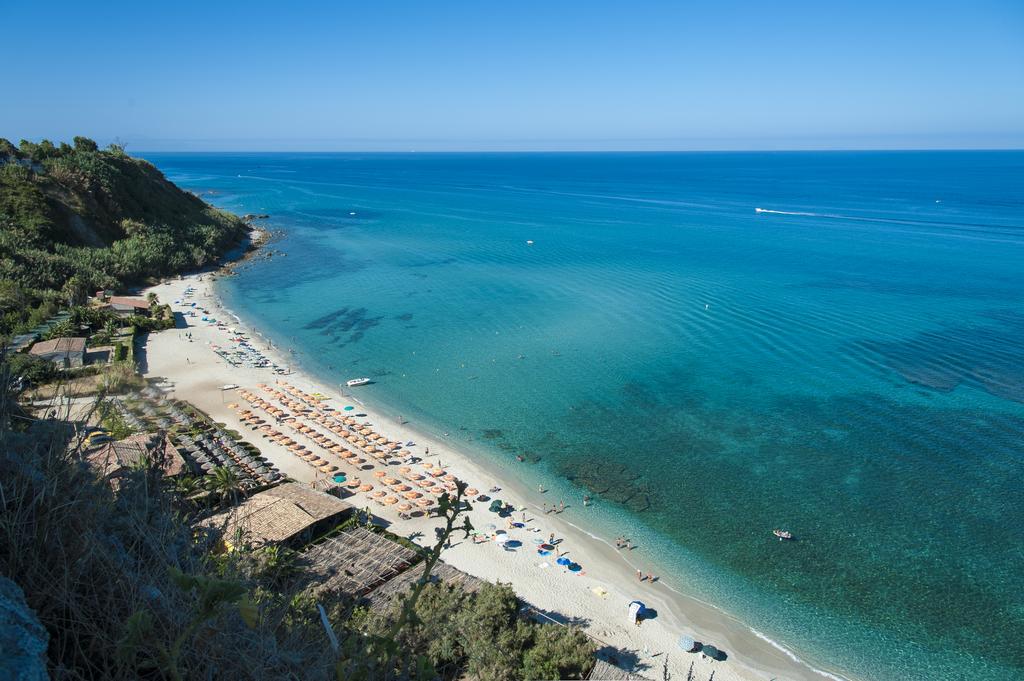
[[290, 513], [66, 353]]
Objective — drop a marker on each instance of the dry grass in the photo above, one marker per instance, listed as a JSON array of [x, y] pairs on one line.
[[88, 560]]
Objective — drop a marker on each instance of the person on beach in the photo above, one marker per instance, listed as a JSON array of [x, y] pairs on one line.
[[639, 575], [545, 508], [551, 539], [586, 500], [618, 542], [650, 577], [540, 488], [561, 507]]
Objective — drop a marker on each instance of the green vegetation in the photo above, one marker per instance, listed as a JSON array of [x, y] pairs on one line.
[[126, 591], [74, 219], [483, 634]]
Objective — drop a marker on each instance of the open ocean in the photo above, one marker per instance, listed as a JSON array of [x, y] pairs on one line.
[[848, 364]]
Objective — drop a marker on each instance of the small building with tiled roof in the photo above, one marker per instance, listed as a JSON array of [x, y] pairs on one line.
[[126, 306], [290, 512], [64, 352]]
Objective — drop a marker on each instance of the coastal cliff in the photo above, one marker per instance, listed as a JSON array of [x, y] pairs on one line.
[[76, 218]]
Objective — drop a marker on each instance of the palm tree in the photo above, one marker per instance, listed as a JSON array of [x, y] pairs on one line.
[[225, 483], [186, 485]]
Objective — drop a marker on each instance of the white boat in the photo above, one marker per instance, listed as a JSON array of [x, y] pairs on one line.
[[760, 210], [357, 381]]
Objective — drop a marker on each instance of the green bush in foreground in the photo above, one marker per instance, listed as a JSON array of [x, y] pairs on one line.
[[483, 634]]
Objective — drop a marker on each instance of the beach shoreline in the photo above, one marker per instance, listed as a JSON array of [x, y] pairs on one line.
[[193, 372]]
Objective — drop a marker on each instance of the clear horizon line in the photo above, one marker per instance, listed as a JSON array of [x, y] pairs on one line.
[[796, 150]]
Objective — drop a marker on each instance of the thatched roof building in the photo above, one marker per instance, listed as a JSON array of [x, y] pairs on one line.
[[354, 562], [289, 512], [114, 459]]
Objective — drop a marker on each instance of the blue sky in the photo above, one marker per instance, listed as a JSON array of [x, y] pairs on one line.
[[518, 75]]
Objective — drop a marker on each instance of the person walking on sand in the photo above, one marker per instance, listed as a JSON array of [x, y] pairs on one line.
[[639, 575], [650, 577], [540, 488], [551, 538], [561, 507], [544, 507]]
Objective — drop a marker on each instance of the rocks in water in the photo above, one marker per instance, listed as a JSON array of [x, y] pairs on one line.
[[23, 639]]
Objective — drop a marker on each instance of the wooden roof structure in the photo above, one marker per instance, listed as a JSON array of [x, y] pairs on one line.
[[59, 346], [604, 671], [276, 514], [355, 562], [378, 600], [114, 458]]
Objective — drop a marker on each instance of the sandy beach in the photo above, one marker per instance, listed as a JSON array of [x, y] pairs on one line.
[[596, 597]]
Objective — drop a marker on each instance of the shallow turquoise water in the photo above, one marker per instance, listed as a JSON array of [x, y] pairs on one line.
[[849, 368]]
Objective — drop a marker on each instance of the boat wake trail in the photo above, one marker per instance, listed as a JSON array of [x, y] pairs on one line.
[[970, 230], [787, 212]]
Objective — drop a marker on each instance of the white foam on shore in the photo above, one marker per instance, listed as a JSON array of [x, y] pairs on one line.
[[774, 644], [791, 655]]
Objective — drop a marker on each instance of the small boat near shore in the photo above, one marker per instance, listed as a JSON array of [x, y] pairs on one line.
[[356, 382], [783, 534]]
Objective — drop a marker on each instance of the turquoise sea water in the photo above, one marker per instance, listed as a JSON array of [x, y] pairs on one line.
[[849, 367]]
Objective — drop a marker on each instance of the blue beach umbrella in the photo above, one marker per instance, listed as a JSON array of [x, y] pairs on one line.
[[563, 561], [687, 643], [349, 408]]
